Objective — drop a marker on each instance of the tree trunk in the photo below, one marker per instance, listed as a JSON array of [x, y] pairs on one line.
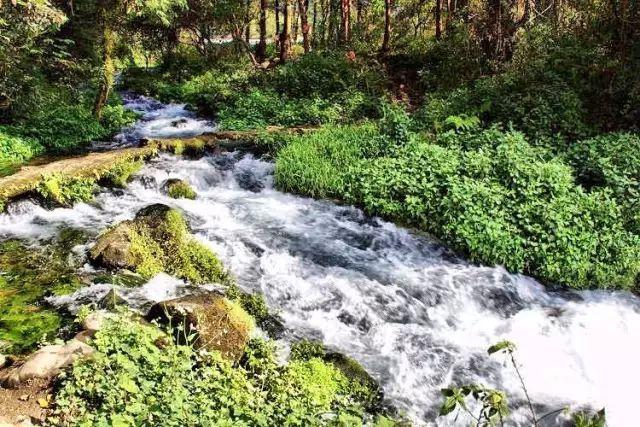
[[261, 51], [107, 71], [284, 35], [303, 6], [277, 11], [437, 13], [384, 49], [247, 30], [314, 30], [359, 7], [294, 24], [345, 35]]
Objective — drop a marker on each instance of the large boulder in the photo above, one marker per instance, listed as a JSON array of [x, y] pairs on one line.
[[157, 240], [217, 324], [46, 363]]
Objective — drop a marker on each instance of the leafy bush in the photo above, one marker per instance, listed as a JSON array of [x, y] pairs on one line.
[[134, 381], [62, 125], [16, 149], [489, 194], [611, 161], [317, 161], [314, 90]]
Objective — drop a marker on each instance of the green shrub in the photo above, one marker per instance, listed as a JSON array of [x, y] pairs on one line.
[[131, 380], [314, 163], [14, 149], [489, 194], [61, 125], [611, 161]]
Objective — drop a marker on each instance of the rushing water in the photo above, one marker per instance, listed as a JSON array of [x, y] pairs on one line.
[[415, 316]]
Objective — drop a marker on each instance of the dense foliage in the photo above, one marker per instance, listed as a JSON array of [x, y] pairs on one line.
[[135, 381]]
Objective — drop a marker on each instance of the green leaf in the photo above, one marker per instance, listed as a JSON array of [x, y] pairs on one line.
[[505, 345]]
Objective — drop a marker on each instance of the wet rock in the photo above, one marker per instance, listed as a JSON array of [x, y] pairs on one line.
[[356, 372], [111, 300], [179, 189], [153, 215], [96, 319], [113, 249], [218, 324], [180, 123], [46, 363], [247, 180]]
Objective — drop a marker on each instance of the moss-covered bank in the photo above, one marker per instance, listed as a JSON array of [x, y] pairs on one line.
[[27, 275]]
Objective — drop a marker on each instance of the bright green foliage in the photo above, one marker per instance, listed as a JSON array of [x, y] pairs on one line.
[[181, 190], [65, 191], [120, 174], [585, 419], [27, 275], [133, 381], [317, 161], [493, 403], [169, 247], [306, 350], [489, 194], [14, 149], [317, 89]]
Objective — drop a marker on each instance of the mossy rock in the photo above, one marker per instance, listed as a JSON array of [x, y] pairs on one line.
[[217, 324], [179, 189], [369, 389], [111, 301], [158, 240]]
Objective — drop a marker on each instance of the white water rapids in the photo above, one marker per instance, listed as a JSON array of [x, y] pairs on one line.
[[416, 317]]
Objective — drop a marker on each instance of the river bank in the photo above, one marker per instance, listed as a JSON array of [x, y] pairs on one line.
[[414, 315]]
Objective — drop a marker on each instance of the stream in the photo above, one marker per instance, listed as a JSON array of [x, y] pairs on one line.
[[417, 317]]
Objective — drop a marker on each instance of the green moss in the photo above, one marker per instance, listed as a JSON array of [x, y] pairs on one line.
[[27, 275], [120, 174], [147, 253], [160, 241], [180, 190], [238, 316], [65, 191]]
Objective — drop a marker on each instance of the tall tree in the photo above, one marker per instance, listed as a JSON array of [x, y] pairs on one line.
[[437, 15], [112, 16], [261, 50], [386, 38], [284, 34], [303, 7], [345, 27], [247, 30], [276, 9]]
